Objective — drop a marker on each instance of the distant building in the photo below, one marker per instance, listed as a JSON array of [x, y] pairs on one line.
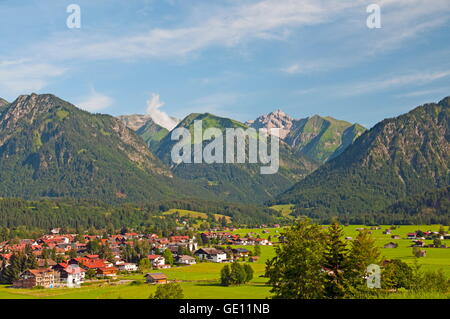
[[211, 254], [156, 278], [185, 260], [391, 245], [30, 278]]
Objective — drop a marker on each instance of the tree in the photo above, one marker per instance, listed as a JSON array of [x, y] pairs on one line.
[[238, 275], [91, 273], [168, 291], [225, 276], [257, 251], [336, 263], [437, 242], [248, 272], [363, 252], [168, 256], [296, 270], [397, 274], [144, 264]]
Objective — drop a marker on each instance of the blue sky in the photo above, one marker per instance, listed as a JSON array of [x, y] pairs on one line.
[[232, 58]]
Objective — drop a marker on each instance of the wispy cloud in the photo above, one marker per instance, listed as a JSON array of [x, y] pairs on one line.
[[268, 19], [442, 90], [387, 83], [24, 76], [95, 101]]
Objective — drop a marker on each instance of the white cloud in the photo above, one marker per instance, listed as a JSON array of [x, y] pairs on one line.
[[23, 76], [386, 83], [159, 117], [95, 102], [243, 22]]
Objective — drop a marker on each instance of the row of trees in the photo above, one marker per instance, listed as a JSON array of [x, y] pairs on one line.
[[319, 263], [236, 274]]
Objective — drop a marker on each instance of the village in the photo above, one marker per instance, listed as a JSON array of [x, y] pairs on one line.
[[66, 260], [69, 260]]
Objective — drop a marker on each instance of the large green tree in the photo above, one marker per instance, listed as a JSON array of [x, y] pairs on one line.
[[296, 272]]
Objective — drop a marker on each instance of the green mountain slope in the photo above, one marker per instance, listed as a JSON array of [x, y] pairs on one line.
[[236, 182], [48, 147], [431, 207], [322, 138], [398, 157], [152, 134]]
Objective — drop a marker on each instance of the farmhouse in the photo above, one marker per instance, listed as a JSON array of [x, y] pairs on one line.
[[69, 275], [156, 278], [211, 254], [30, 278], [126, 266], [185, 260], [107, 272], [391, 245]]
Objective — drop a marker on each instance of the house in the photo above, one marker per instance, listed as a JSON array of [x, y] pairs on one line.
[[391, 245], [156, 278], [395, 237], [211, 254], [418, 243], [253, 259], [185, 260], [30, 278], [127, 267], [241, 252], [107, 272], [157, 260], [45, 263], [70, 275], [411, 235]]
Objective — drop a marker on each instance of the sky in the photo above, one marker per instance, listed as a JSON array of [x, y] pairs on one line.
[[232, 58]]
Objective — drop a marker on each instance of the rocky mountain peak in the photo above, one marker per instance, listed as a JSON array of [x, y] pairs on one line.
[[276, 119]]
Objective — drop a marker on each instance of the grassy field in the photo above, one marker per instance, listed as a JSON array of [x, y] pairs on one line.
[[194, 214], [202, 280]]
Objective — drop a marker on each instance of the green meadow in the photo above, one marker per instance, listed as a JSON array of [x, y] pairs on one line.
[[202, 280]]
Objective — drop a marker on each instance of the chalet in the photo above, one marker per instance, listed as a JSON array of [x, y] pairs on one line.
[[127, 267], [395, 237], [211, 254], [185, 260], [241, 252], [157, 260], [263, 242], [69, 275], [107, 272], [156, 278], [253, 259], [46, 263], [418, 243], [391, 245], [387, 232], [411, 235], [30, 278]]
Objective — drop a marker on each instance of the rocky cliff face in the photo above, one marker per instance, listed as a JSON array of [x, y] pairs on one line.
[[277, 119], [135, 121]]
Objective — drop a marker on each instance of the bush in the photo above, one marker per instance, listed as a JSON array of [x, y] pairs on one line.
[[168, 291]]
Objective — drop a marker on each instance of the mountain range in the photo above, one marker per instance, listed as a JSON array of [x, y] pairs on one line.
[[50, 148], [398, 158], [318, 138]]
